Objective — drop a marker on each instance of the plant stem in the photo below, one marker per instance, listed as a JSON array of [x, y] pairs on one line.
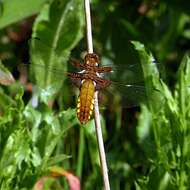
[[88, 26], [100, 143], [96, 108]]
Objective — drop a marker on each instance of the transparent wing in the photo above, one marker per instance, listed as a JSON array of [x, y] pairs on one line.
[[47, 66], [67, 93], [51, 58], [128, 94], [125, 73], [27, 74], [127, 80], [132, 73], [124, 95], [127, 85]]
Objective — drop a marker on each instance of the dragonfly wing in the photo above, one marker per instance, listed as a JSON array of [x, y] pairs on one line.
[[49, 58], [59, 74], [125, 95], [130, 73]]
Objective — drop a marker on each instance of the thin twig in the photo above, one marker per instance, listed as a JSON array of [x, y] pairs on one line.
[[96, 107]]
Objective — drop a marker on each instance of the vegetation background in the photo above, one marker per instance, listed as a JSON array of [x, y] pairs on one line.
[[147, 147]]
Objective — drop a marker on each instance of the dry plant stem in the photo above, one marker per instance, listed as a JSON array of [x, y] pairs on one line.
[[100, 143], [96, 108], [88, 26]]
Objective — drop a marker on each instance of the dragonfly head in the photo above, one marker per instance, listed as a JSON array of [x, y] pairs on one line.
[[91, 59]]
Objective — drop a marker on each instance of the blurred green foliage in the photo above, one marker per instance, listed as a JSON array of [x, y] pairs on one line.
[[146, 148]]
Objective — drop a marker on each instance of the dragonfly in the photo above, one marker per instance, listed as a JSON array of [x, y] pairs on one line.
[[89, 81], [92, 78]]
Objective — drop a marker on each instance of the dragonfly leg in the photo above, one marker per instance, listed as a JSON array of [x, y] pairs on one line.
[[76, 78], [77, 64], [103, 69], [101, 83]]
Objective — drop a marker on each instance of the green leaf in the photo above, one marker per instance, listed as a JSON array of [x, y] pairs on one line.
[[144, 124], [57, 159], [182, 95], [22, 152], [15, 10], [36, 157], [6, 78], [151, 77], [183, 85], [58, 29], [147, 61], [5, 101]]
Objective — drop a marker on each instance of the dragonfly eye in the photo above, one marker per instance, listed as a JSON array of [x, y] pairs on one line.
[[91, 58]]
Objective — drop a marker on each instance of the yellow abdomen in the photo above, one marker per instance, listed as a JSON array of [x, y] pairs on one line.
[[85, 104]]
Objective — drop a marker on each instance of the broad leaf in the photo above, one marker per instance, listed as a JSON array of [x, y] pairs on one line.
[[15, 10], [59, 26]]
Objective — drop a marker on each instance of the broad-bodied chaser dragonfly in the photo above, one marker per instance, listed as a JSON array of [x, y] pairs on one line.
[[91, 78]]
